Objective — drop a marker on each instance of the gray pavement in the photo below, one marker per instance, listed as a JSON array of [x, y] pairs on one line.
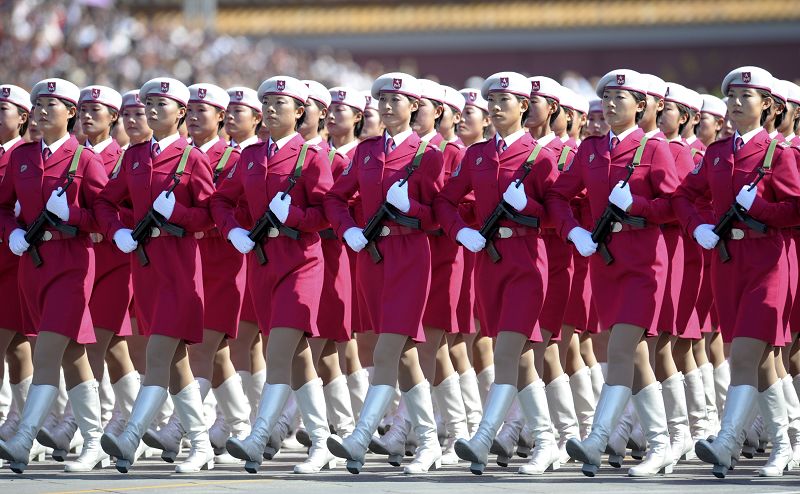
[[153, 475]]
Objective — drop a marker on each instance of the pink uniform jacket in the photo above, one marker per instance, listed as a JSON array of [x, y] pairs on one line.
[[224, 271], [510, 293], [286, 291], [750, 290], [175, 309], [629, 290], [56, 295], [395, 290]]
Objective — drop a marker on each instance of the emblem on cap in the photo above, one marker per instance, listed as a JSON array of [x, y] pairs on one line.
[[473, 95], [536, 85], [95, 93], [397, 83], [620, 79], [504, 82], [135, 165], [281, 85], [201, 93], [250, 166], [23, 168], [51, 86], [138, 99], [6, 92], [746, 76], [164, 87], [342, 95], [239, 95]]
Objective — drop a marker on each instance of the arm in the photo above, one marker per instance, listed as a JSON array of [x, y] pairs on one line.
[[8, 197], [106, 204], [541, 178], [94, 180], [662, 180], [693, 187], [447, 203], [335, 202], [196, 217], [316, 181], [430, 183], [558, 196], [225, 203], [784, 185]]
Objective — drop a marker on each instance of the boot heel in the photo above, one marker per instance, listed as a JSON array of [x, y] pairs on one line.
[[59, 455], [436, 465], [719, 471], [748, 451], [503, 460], [553, 467], [666, 470], [477, 468], [251, 466], [615, 460], [637, 454], [523, 451], [40, 456], [589, 470], [208, 466], [269, 453], [123, 466], [354, 466], [219, 451], [104, 463], [17, 466], [395, 460], [169, 456], [330, 465]]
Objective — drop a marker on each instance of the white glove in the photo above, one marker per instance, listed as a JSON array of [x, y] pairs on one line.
[[583, 241], [746, 197], [17, 209], [125, 241], [165, 205], [238, 237], [471, 239], [705, 236], [281, 206], [58, 205], [17, 243], [515, 196], [355, 238], [398, 196], [621, 196]]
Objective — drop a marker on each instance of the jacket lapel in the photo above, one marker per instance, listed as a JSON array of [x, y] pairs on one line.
[[168, 154], [629, 144], [63, 153], [757, 144], [523, 145]]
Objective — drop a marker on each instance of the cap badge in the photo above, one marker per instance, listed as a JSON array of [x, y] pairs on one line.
[[397, 83], [281, 85], [620, 79], [504, 82], [342, 95], [536, 85], [6, 92], [201, 93], [239, 95], [746, 77], [51, 86], [95, 93], [165, 87], [473, 96], [138, 99]]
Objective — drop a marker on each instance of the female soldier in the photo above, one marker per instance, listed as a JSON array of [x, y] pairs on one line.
[[15, 110], [525, 171], [712, 118], [753, 297], [287, 270], [631, 308], [169, 180], [596, 124], [373, 125], [397, 171], [57, 177]]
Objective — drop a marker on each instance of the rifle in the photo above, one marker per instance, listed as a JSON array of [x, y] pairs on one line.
[[268, 220], [153, 219], [503, 210], [35, 232], [386, 212], [613, 214], [737, 212]]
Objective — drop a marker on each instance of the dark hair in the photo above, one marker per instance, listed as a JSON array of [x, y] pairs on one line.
[[555, 114], [639, 97], [321, 123], [360, 124], [780, 116], [570, 121], [684, 110], [765, 113], [24, 127], [413, 113], [114, 113], [438, 120], [71, 122], [183, 118], [525, 113], [302, 118]]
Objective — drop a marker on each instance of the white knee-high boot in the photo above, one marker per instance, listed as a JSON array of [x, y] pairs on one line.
[[476, 450], [38, 405], [85, 400], [649, 404]]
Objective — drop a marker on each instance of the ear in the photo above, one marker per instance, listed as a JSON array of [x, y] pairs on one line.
[[439, 111], [414, 104], [299, 111], [660, 105], [358, 116], [114, 116], [323, 113], [72, 111], [525, 104], [220, 115], [683, 118], [181, 111], [641, 105], [767, 102]]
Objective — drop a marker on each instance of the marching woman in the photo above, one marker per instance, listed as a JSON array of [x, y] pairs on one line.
[[345, 126], [243, 120], [286, 273], [712, 119], [15, 112], [596, 124], [400, 172], [514, 163], [58, 177], [167, 179], [752, 298], [223, 288], [373, 124], [578, 108], [637, 270]]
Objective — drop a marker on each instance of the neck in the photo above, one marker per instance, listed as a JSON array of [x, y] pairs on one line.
[[50, 138], [646, 125], [339, 141], [747, 127], [507, 132], [4, 138], [448, 134], [622, 128], [672, 135], [539, 131], [159, 135], [243, 136], [471, 141], [279, 134], [96, 139], [200, 139], [425, 131], [393, 131], [769, 125], [311, 134]]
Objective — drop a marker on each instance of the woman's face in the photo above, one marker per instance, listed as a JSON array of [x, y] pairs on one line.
[[342, 120], [425, 121], [620, 108], [10, 121], [671, 119], [709, 126], [596, 124], [241, 121], [539, 113], [96, 118], [450, 119], [473, 124], [52, 115], [505, 110], [745, 106], [281, 113], [163, 114], [134, 119], [373, 126], [396, 109], [202, 121]]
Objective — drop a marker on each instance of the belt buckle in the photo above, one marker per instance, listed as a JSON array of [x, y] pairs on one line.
[[155, 232], [96, 237], [385, 231], [616, 227], [199, 235], [273, 232], [47, 236], [737, 234], [505, 232]]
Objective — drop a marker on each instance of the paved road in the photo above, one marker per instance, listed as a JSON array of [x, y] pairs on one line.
[[276, 476]]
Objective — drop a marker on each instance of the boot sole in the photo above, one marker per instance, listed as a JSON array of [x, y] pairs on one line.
[[503, 456], [237, 452]]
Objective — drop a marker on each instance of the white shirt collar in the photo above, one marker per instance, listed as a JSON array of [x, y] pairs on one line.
[[622, 135], [746, 137], [651, 133], [247, 142], [315, 141], [511, 139], [205, 147], [429, 136], [679, 139], [344, 149], [283, 141], [545, 140], [399, 138], [691, 140], [54, 147], [101, 146], [10, 143], [166, 142], [790, 137], [773, 134]]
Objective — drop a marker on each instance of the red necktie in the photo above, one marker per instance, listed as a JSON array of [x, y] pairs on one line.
[[273, 148], [614, 142], [501, 146], [46, 153], [738, 144], [155, 150], [389, 145]]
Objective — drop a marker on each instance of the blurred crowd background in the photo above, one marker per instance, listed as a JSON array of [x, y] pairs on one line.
[[123, 43]]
